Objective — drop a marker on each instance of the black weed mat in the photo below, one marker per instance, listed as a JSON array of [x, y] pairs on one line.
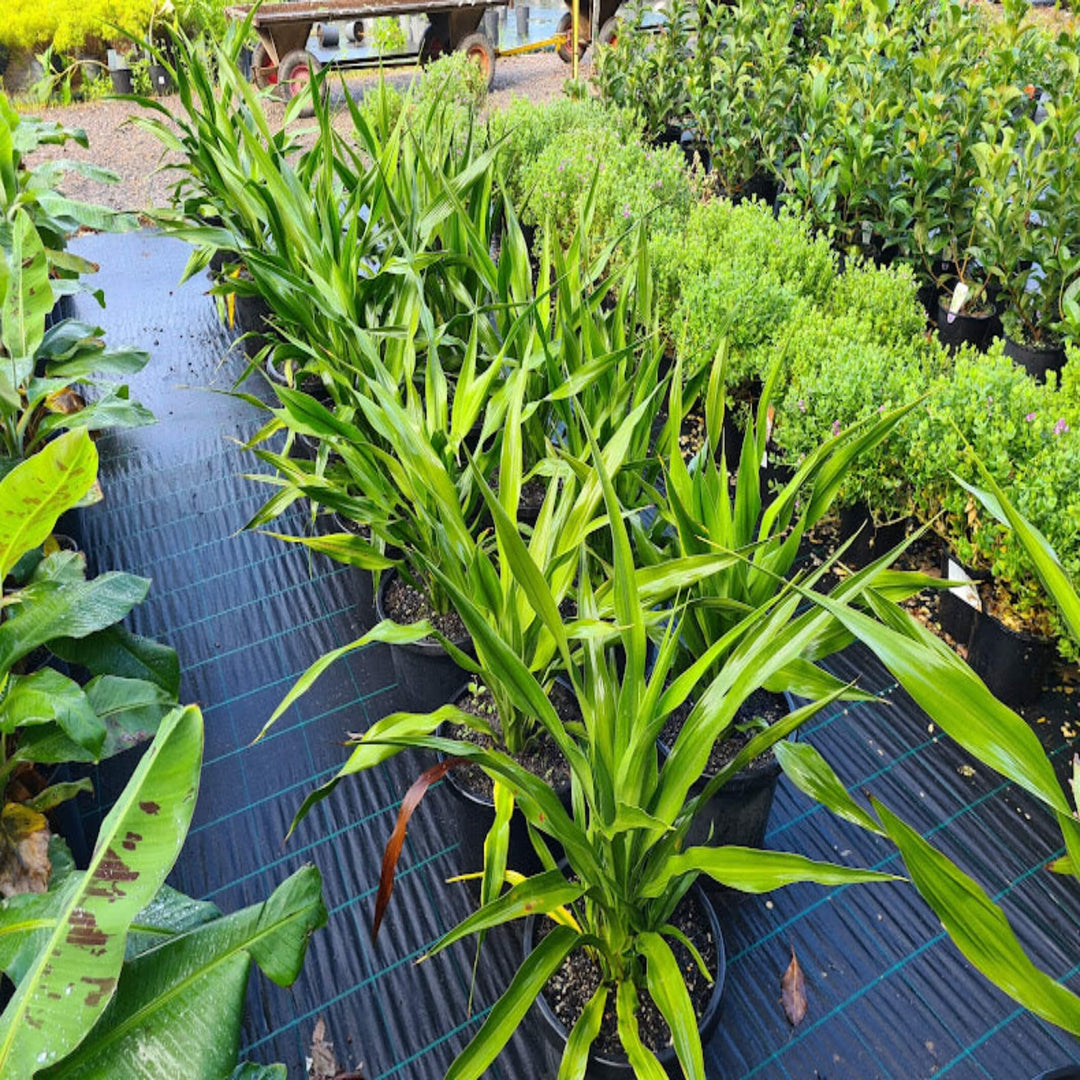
[[889, 996]]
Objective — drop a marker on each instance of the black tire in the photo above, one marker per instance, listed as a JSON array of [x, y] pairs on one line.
[[295, 72], [432, 45], [328, 36], [264, 72], [565, 26], [478, 48], [609, 32]]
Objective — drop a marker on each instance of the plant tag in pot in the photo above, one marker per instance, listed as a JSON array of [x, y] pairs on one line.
[[959, 297], [867, 233], [966, 593]]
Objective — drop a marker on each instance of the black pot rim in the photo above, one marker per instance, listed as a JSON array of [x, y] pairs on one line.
[[459, 789], [707, 1022], [1023, 636], [1035, 350], [424, 646], [755, 771], [943, 313]]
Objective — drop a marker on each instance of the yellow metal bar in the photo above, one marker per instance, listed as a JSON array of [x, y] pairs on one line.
[[576, 34], [533, 46]]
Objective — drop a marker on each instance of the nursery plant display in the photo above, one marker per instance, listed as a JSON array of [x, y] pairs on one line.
[[925, 133], [494, 417]]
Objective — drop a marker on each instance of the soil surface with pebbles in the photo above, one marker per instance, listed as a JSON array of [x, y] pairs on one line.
[[137, 156]]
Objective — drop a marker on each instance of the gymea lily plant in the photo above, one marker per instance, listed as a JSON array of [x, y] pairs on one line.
[[704, 507], [626, 865]]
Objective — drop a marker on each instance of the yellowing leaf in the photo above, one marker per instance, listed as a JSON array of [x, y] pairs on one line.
[[24, 851]]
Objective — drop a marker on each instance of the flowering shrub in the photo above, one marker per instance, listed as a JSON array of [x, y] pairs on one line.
[[71, 27], [454, 80], [632, 183], [737, 266], [845, 367]]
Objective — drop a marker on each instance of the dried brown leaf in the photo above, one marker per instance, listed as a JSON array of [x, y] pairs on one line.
[[793, 991], [24, 851], [322, 1063], [397, 837]]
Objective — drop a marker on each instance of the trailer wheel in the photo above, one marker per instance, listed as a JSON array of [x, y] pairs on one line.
[[565, 27], [432, 46], [478, 48], [264, 72], [609, 32], [295, 72]]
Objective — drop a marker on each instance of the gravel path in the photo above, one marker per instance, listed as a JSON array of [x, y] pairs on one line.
[[136, 155]]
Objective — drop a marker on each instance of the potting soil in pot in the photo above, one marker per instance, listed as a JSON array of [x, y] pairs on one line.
[[405, 605], [759, 706], [542, 757], [568, 991]]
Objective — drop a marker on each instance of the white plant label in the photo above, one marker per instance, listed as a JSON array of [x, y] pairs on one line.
[[967, 593], [959, 297]]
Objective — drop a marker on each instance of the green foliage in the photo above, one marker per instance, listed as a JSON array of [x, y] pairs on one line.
[[736, 272], [453, 81], [643, 72], [154, 954], [71, 28], [50, 604], [626, 182], [987, 416], [387, 35]]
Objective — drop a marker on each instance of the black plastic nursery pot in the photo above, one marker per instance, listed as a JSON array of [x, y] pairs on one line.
[[617, 1067], [424, 670], [1066, 1072], [1036, 360], [739, 812], [160, 80], [476, 815], [871, 540], [1013, 664], [121, 81], [955, 616], [957, 329]]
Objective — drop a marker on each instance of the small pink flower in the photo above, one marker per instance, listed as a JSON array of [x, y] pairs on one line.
[[1030, 418], [802, 405], [626, 212], [1061, 427], [836, 427], [881, 410]]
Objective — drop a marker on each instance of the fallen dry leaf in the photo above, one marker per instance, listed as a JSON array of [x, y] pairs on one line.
[[322, 1063], [24, 851], [793, 991]]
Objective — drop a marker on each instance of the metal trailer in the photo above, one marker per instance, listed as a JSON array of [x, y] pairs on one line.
[[597, 21], [281, 57]]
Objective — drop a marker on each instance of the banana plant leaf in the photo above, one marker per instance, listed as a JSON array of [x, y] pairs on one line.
[[37, 491], [73, 976], [195, 984]]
